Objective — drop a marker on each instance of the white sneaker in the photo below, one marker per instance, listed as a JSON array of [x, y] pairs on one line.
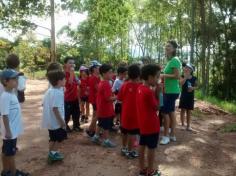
[[165, 140], [173, 138]]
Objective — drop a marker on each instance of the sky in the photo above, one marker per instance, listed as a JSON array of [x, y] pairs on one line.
[[62, 18]]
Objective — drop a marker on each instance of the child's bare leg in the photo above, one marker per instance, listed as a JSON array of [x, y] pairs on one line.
[[87, 109], [106, 134], [12, 165], [93, 123], [188, 118], [82, 108], [5, 163], [52, 146], [151, 159], [142, 157], [182, 116], [131, 138], [124, 140]]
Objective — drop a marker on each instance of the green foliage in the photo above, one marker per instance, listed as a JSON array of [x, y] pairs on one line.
[[229, 106], [229, 128]]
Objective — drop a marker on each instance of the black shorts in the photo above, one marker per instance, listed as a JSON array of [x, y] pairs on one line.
[[105, 123], [57, 135], [94, 107], [169, 103], [72, 109], [150, 140], [9, 147], [84, 99], [118, 107], [130, 132]]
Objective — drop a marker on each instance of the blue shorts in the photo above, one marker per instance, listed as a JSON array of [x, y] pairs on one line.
[[105, 123], [9, 147], [130, 132], [149, 140], [169, 103], [57, 135]]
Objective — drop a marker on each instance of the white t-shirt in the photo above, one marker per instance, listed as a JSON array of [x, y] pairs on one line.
[[117, 85], [1, 89], [10, 106], [54, 97], [21, 83]]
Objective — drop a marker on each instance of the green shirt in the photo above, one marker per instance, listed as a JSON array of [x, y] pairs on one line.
[[171, 84]]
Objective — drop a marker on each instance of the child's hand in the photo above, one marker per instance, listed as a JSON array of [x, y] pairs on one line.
[[190, 89], [8, 135]]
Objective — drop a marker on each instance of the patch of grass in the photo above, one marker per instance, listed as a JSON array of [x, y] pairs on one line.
[[229, 128], [37, 75], [225, 105]]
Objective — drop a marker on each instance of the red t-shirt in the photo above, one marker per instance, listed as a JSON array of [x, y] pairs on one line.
[[93, 86], [127, 95], [84, 87], [71, 88], [147, 111], [105, 108]]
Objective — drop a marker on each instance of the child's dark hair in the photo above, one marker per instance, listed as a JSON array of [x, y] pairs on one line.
[[53, 66], [134, 71], [105, 68], [12, 61], [149, 70], [68, 58], [55, 76], [91, 69], [121, 70]]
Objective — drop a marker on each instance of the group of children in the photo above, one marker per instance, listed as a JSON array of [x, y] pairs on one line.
[[134, 98]]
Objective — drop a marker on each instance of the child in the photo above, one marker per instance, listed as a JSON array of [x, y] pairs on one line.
[[147, 106], [11, 124], [105, 109], [51, 67], [71, 95], [13, 63], [122, 72], [53, 113], [189, 84], [84, 93], [129, 119], [93, 88]]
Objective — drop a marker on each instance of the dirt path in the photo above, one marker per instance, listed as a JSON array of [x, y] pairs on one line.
[[206, 153]]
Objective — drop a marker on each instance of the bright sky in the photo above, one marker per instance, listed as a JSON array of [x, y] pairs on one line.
[[62, 18]]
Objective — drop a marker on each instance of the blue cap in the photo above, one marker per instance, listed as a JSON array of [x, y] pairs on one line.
[[94, 63], [9, 74], [190, 66]]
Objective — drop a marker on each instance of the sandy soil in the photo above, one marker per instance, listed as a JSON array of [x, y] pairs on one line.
[[205, 153]]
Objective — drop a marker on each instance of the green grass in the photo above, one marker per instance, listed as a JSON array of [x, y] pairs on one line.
[[225, 105], [36, 75], [229, 128]]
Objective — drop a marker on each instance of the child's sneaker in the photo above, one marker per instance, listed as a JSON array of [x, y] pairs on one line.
[[173, 138], [55, 156], [143, 172], [165, 140], [90, 133], [132, 155], [107, 143], [124, 151], [154, 173], [95, 139], [78, 129], [20, 173]]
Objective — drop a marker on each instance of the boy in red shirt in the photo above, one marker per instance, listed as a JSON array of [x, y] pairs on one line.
[[71, 95], [149, 124], [105, 108], [129, 119], [94, 80], [84, 93]]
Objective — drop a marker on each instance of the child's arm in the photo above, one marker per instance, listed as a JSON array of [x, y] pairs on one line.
[[7, 127], [59, 118]]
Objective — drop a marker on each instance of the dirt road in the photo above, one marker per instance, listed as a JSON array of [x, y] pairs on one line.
[[206, 153]]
